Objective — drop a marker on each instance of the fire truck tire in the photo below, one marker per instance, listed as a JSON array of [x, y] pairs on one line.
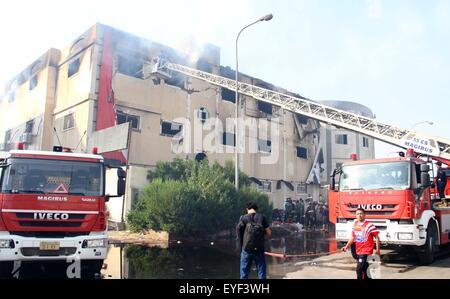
[[426, 252], [6, 269], [90, 268]]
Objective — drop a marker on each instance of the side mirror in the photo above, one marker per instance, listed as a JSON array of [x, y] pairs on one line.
[[425, 179], [121, 174], [333, 181], [424, 167], [120, 187]]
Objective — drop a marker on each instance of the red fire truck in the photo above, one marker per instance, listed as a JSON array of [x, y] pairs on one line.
[[52, 208], [397, 197]]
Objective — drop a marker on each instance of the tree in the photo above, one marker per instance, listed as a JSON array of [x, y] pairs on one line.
[[187, 198]]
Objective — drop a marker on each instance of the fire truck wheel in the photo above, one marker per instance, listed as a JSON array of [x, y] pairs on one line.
[[6, 269], [426, 252]]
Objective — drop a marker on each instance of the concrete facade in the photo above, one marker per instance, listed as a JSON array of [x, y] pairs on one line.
[[100, 81]]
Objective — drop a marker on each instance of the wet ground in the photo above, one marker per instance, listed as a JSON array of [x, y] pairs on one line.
[[305, 256], [209, 260], [199, 260]]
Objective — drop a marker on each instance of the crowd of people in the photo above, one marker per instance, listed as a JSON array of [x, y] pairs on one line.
[[311, 214]]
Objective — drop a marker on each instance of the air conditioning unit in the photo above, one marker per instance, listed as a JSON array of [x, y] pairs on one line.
[[26, 138]]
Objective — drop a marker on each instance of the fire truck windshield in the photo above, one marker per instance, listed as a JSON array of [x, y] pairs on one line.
[[53, 177], [380, 176]]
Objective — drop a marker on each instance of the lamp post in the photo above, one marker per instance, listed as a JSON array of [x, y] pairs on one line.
[[423, 122], [236, 143]]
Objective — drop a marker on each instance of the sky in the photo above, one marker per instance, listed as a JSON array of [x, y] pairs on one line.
[[391, 56]]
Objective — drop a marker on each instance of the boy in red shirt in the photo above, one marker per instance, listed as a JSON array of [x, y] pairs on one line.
[[363, 234]]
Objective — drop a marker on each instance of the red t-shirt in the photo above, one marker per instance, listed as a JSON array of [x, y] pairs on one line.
[[364, 234]]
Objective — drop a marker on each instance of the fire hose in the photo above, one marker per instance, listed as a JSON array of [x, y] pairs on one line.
[[285, 256]]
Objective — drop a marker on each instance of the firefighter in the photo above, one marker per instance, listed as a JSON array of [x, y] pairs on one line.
[[441, 181]]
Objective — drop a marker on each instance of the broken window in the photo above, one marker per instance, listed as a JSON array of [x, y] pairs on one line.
[[170, 129], [123, 117], [228, 95], [341, 139], [302, 152], [302, 119], [29, 126], [68, 122], [265, 107], [176, 80], [74, 67], [33, 82], [130, 66], [265, 146], [229, 139], [227, 72]]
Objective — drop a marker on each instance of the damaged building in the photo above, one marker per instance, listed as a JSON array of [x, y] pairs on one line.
[[100, 91]]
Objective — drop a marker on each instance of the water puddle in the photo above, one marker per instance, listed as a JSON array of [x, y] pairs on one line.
[[210, 260]]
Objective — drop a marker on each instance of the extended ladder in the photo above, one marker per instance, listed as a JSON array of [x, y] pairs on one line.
[[421, 143]]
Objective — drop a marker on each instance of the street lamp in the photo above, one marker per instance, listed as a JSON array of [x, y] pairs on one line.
[[236, 143], [422, 122]]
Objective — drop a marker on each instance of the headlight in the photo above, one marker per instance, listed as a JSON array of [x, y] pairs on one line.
[[7, 243], [405, 236], [341, 234], [95, 243]]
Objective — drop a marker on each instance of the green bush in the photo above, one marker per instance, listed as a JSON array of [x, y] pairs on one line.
[[193, 199]]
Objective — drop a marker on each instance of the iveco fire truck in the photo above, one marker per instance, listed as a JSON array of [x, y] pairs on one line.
[[395, 192], [52, 208], [397, 198]]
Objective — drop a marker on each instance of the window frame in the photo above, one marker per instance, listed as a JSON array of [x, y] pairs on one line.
[[365, 142], [306, 152], [127, 116], [224, 139], [71, 72], [171, 123], [72, 117], [300, 187], [344, 139]]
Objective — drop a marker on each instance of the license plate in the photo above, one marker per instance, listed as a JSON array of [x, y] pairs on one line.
[[49, 246]]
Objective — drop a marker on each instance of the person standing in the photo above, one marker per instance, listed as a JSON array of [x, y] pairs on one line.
[[325, 216], [251, 232], [363, 235], [441, 181]]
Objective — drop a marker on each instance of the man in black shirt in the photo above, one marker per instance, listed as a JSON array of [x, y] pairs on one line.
[[251, 231]]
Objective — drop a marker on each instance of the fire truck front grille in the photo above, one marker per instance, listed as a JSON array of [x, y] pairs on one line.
[[50, 234], [376, 213], [35, 251], [49, 224]]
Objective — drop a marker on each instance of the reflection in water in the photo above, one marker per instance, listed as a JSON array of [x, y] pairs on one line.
[[206, 260]]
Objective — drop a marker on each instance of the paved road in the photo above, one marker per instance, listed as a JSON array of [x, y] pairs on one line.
[[393, 266]]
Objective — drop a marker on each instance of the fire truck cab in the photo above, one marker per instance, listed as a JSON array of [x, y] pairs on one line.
[[52, 208], [397, 198]]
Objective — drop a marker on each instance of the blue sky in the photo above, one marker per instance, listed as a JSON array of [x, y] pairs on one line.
[[392, 56]]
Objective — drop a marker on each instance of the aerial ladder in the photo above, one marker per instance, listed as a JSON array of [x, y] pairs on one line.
[[423, 144]]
